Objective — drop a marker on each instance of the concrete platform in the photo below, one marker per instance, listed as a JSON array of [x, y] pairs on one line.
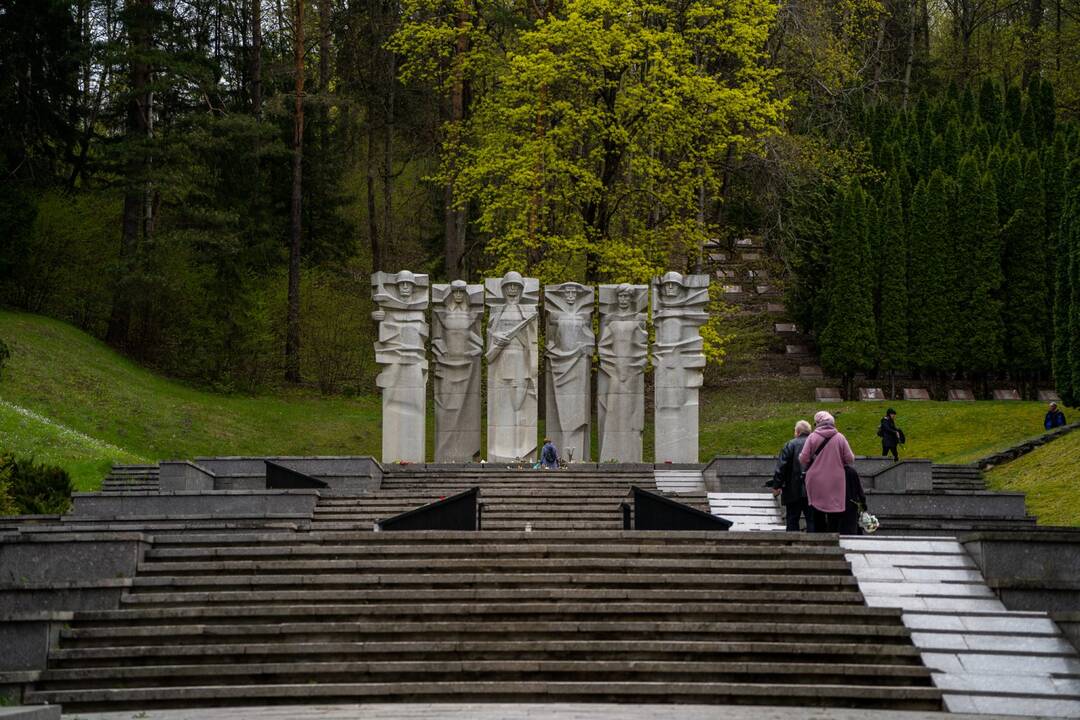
[[522, 711]]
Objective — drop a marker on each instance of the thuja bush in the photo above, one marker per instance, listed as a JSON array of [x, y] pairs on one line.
[[29, 488]]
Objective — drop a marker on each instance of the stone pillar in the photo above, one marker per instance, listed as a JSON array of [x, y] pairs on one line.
[[679, 311], [569, 350], [620, 383], [457, 347], [512, 357], [401, 350]]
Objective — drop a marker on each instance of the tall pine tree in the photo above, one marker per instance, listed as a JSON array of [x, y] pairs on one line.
[[1026, 286], [849, 343], [979, 276], [1067, 298], [892, 282], [930, 328]]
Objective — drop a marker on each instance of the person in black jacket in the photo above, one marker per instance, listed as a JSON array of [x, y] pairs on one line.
[[788, 483], [891, 436]]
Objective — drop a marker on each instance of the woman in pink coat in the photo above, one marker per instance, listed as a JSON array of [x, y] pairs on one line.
[[823, 458]]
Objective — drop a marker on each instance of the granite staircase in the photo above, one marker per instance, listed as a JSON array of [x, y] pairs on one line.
[[957, 477], [512, 498], [131, 478], [598, 615]]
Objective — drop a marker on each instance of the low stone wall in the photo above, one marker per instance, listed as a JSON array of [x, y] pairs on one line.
[[1024, 448], [1031, 570], [946, 504], [1069, 622], [354, 474], [27, 637], [184, 475], [267, 503], [727, 473]]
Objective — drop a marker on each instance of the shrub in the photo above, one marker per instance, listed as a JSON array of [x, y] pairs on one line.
[[7, 503], [5, 355], [34, 489]]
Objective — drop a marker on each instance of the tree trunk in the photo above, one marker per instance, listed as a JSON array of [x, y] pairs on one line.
[[388, 150], [911, 52], [324, 76], [292, 330], [1033, 46], [138, 123], [373, 224], [453, 218], [256, 58]]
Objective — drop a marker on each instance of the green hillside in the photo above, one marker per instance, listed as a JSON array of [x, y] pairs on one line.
[[66, 398], [1048, 476]]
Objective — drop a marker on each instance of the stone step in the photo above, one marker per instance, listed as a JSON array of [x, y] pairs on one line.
[[532, 649], [251, 597], [818, 613], [550, 549], [493, 564], [219, 674], [711, 692]]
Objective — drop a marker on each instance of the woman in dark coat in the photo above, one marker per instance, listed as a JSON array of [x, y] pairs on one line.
[[891, 436]]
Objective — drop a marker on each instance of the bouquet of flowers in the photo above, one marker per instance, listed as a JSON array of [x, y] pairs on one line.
[[869, 523]]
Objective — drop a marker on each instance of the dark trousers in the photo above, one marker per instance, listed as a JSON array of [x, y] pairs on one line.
[[885, 450], [795, 510], [845, 523]]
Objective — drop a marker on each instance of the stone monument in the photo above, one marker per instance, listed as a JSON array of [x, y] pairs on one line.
[[620, 384], [567, 392], [457, 347], [679, 311], [512, 367], [401, 350]]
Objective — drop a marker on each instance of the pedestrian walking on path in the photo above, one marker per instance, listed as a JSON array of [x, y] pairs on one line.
[[891, 436], [824, 457], [787, 480]]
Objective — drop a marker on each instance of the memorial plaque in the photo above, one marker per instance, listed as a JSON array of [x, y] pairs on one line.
[[916, 394], [961, 395], [785, 328], [871, 394], [1049, 396], [1007, 394], [811, 371], [826, 394], [796, 350]]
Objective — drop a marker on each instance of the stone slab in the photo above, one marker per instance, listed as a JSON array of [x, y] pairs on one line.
[[185, 475], [1007, 394], [811, 371], [1030, 562], [825, 394], [871, 393], [30, 559], [223, 503], [785, 328], [916, 394], [774, 307], [31, 712], [947, 505], [961, 395], [1048, 396]]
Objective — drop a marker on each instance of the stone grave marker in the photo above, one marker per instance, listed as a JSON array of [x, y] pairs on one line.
[[1007, 394], [751, 256], [774, 307], [961, 395], [916, 394], [810, 371], [732, 289], [783, 328], [764, 289], [744, 242], [718, 257], [1048, 396], [825, 394], [725, 273], [796, 350], [871, 394]]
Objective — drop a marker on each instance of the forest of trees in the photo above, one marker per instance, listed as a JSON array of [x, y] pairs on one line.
[[207, 184]]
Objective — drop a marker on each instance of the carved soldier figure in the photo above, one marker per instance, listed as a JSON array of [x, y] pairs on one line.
[[569, 350], [620, 391], [457, 347], [679, 311], [401, 350], [512, 367]]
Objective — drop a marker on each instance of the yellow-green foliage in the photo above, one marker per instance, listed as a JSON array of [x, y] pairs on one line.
[[596, 152], [1048, 476]]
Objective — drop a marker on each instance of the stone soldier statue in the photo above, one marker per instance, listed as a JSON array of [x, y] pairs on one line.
[[620, 384], [679, 311], [401, 350], [569, 350], [512, 367], [457, 347]]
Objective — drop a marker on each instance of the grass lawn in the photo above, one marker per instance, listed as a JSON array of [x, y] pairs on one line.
[[1049, 477], [67, 398]]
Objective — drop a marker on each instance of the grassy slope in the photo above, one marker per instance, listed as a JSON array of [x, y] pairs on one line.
[[1048, 476], [96, 407]]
